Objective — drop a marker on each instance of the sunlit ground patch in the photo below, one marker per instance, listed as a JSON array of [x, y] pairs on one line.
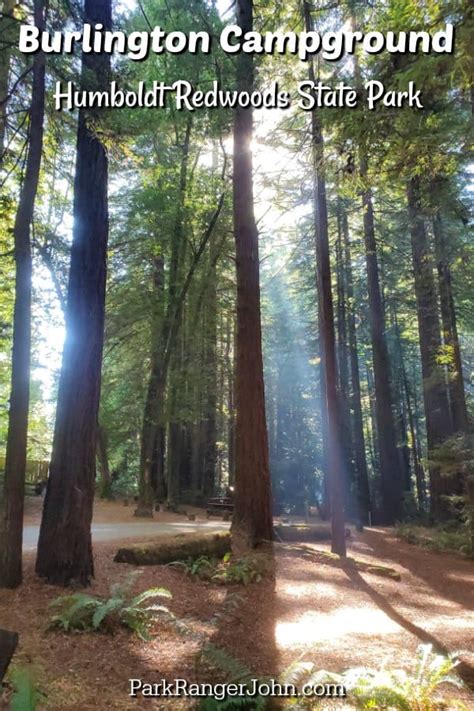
[[313, 627]]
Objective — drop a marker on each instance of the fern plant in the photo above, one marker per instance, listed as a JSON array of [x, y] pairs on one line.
[[243, 571], [225, 572], [236, 672], [384, 688], [26, 695], [88, 613], [201, 567]]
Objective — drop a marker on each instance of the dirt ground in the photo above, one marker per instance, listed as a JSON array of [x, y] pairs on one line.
[[333, 617], [108, 512]]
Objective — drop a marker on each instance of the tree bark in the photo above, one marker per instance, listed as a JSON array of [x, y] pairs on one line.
[[8, 644], [326, 488], [350, 484], [158, 377], [417, 465], [391, 480], [154, 395], [252, 521], [450, 332], [11, 511], [65, 547], [210, 381], [102, 456], [230, 359], [438, 422], [362, 476], [327, 335]]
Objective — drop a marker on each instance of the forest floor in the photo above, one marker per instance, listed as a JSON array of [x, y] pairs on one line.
[[336, 618]]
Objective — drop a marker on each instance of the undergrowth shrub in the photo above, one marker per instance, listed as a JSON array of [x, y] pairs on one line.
[[227, 571], [452, 536], [26, 695], [235, 672], [88, 613], [385, 688]]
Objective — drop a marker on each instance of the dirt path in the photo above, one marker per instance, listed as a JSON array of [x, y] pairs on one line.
[[114, 522], [335, 618]]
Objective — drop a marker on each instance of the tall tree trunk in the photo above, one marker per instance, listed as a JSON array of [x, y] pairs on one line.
[[65, 546], [391, 479], [252, 521], [162, 353], [326, 489], [158, 378], [158, 469], [450, 331], [103, 457], [210, 368], [150, 445], [438, 422], [417, 465], [327, 335], [8, 645], [372, 438], [174, 459], [11, 511], [350, 489], [231, 360], [8, 33], [363, 488]]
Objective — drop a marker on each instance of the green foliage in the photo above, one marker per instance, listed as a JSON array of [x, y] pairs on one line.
[[200, 567], [452, 536], [87, 613], [366, 688], [235, 672], [242, 571], [26, 695], [257, 703], [455, 457], [385, 688], [228, 571]]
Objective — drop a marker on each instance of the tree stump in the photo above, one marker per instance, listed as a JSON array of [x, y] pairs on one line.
[[8, 644]]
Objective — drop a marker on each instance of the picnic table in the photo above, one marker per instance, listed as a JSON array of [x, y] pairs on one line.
[[220, 505]]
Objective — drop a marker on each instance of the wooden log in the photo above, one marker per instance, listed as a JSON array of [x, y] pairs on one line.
[[8, 644], [185, 545]]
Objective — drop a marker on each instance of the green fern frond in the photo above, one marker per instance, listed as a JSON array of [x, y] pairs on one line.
[[26, 695], [235, 670], [152, 592], [84, 612]]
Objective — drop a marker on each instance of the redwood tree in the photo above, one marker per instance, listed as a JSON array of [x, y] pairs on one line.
[[457, 395], [11, 521], [64, 547], [252, 521], [391, 477], [435, 396], [326, 323]]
